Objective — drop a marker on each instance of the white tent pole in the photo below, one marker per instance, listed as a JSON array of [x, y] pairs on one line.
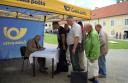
[[44, 27]]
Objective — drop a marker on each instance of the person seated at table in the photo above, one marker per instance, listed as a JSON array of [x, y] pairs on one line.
[[32, 46]]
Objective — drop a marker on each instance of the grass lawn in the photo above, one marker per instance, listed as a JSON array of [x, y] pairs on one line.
[[121, 44], [50, 38]]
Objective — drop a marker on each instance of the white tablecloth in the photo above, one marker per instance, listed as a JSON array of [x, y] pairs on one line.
[[48, 53]]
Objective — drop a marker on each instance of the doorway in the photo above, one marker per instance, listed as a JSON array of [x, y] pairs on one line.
[[125, 34]]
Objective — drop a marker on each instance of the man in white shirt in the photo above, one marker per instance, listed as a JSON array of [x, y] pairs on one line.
[[74, 43]]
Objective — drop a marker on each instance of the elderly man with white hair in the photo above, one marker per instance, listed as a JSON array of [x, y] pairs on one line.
[[74, 43], [92, 50]]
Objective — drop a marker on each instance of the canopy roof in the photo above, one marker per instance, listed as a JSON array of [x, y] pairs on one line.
[[44, 7]]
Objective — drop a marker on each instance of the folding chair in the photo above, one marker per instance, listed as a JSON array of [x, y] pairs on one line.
[[24, 57]]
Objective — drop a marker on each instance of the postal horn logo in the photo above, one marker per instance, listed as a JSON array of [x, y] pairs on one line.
[[14, 33]]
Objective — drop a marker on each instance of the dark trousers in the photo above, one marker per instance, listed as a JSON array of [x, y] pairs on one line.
[[41, 62], [75, 57], [62, 65]]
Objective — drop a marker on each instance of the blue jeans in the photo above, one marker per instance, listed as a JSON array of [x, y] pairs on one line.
[[102, 65]]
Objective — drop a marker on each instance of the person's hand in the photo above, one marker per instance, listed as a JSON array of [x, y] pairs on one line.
[[73, 50], [92, 61], [64, 48]]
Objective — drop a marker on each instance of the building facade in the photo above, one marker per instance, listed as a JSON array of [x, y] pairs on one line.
[[113, 18]]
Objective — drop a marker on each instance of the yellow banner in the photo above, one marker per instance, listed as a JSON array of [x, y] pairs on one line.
[[54, 6], [58, 5]]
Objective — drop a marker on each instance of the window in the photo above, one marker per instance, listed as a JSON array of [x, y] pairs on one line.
[[112, 22], [104, 23], [126, 21]]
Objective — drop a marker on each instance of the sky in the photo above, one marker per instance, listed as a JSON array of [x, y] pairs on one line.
[[92, 4]]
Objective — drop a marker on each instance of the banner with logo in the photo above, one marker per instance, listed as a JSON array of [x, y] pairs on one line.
[[15, 33], [55, 6]]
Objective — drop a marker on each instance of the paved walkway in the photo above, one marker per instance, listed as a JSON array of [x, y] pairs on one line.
[[117, 66]]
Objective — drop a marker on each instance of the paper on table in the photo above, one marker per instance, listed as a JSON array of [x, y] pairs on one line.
[[47, 53]]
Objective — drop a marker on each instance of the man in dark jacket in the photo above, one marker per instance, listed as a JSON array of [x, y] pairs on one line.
[[62, 47]]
